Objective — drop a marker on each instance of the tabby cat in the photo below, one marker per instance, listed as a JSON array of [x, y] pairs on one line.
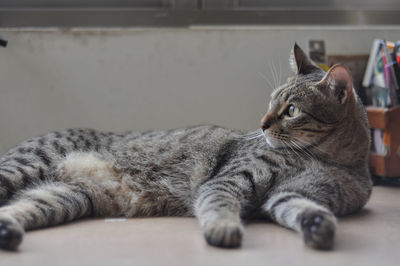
[[307, 165]]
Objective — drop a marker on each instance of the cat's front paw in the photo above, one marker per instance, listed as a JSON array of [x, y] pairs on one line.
[[224, 233], [318, 229], [10, 235]]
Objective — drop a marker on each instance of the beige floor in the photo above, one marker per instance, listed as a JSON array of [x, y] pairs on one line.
[[369, 238]]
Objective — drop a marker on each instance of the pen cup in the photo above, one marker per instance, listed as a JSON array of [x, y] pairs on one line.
[[388, 120]]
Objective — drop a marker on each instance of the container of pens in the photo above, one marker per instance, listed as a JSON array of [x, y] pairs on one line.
[[385, 150], [382, 79]]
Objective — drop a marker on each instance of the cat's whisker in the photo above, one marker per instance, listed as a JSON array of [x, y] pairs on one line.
[[274, 74], [266, 79], [288, 149], [253, 135], [294, 151], [308, 145], [255, 132], [295, 81], [294, 146], [303, 151], [280, 69], [303, 145]]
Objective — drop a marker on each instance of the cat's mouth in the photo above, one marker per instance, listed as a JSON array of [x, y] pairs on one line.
[[273, 140]]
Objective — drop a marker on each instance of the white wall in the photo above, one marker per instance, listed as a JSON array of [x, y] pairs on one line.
[[149, 78]]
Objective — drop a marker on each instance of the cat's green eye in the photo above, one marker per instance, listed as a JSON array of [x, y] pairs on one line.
[[292, 110]]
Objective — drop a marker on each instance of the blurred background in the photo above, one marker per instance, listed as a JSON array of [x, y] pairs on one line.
[[121, 65]]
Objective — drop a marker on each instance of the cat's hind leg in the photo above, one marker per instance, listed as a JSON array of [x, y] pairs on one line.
[[18, 172], [46, 205]]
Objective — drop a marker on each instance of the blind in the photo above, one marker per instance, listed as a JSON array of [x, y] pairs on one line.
[[319, 4], [181, 13], [84, 3], [209, 4]]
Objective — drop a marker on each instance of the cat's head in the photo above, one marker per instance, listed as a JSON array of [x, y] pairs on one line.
[[318, 111]]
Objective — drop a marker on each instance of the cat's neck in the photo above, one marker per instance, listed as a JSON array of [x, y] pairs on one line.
[[344, 148]]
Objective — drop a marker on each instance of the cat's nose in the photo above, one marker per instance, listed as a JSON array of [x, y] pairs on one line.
[[265, 125], [267, 121]]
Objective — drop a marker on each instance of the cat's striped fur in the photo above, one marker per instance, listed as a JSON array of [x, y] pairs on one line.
[[313, 166]]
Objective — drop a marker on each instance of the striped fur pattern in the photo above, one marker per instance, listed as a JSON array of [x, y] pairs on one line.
[[306, 166]]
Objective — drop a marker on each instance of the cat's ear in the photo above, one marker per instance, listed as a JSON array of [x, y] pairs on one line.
[[300, 63], [338, 79]]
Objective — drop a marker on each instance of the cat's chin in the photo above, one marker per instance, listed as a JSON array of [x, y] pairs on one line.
[[272, 142]]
